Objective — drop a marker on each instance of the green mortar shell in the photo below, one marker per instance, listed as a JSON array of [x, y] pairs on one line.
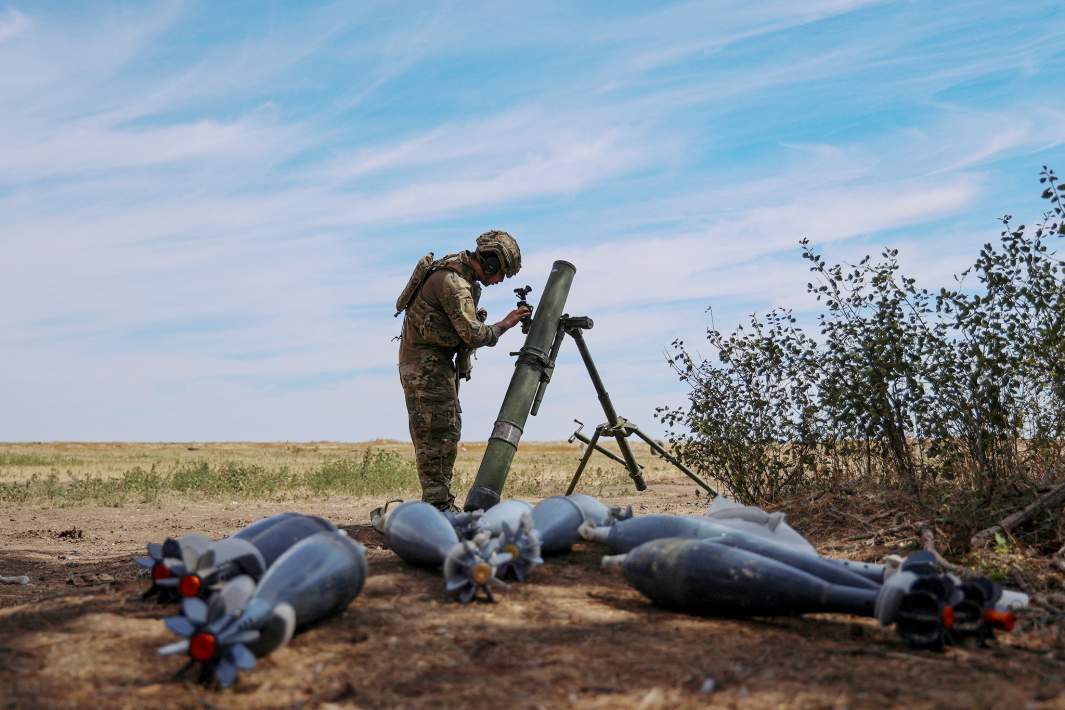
[[510, 424]]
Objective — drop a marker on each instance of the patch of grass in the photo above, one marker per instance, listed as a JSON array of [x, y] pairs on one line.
[[120, 474], [231, 479], [23, 460], [138, 484], [14, 492], [995, 565], [376, 473], [540, 481]]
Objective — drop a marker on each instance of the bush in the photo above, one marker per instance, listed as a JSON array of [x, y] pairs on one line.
[[960, 391], [376, 473]]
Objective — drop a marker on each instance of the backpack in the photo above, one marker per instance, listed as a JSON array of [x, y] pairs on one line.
[[425, 266]]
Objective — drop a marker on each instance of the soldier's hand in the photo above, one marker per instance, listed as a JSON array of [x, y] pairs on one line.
[[514, 317]]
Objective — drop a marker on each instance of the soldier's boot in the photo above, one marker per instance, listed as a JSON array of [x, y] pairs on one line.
[[438, 495]]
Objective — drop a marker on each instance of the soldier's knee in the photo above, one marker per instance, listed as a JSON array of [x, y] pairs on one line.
[[444, 425]]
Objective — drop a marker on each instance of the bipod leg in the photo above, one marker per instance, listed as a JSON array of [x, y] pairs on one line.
[[613, 421], [635, 472], [592, 444], [674, 460]]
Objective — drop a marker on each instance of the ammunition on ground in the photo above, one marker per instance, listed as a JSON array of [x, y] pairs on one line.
[[595, 512], [870, 570], [168, 561], [467, 523], [507, 512], [529, 373], [315, 578], [421, 535], [774, 527], [512, 520], [559, 518], [707, 577], [933, 610], [751, 519], [250, 551], [626, 535]]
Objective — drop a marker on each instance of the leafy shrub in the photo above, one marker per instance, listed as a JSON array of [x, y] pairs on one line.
[[957, 391]]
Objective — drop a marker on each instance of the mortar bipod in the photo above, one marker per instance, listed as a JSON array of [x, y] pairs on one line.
[[625, 428], [577, 435], [617, 427]]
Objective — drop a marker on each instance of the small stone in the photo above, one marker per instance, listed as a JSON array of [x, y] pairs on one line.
[[653, 700], [709, 685], [20, 579]]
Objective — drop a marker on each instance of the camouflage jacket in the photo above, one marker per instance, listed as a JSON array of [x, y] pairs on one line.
[[443, 314]]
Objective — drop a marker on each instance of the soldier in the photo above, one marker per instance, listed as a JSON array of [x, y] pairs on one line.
[[441, 328]]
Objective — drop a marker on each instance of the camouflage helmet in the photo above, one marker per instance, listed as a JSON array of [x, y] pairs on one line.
[[504, 246]]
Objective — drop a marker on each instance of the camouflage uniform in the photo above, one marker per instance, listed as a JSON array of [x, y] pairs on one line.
[[441, 320]]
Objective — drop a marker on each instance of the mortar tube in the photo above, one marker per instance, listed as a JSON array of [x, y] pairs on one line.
[[533, 360]]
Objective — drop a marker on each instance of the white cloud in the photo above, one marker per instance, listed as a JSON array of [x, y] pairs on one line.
[[13, 24], [723, 259], [88, 146]]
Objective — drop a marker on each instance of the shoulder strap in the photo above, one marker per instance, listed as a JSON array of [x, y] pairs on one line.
[[451, 262]]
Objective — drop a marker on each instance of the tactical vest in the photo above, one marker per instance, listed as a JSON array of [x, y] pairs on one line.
[[427, 323]]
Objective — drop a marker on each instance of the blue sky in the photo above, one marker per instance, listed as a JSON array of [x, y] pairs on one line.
[[207, 209]]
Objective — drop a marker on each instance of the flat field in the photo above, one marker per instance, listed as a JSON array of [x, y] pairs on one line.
[[74, 516]]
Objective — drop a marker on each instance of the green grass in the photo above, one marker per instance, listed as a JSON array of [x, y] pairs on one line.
[[135, 484], [23, 460]]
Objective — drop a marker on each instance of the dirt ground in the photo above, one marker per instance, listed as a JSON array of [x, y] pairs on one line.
[[573, 635]]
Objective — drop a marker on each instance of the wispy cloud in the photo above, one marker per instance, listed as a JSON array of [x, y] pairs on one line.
[[206, 213], [688, 32], [12, 24]]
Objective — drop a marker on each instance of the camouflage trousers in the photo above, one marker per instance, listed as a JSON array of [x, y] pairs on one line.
[[434, 417]]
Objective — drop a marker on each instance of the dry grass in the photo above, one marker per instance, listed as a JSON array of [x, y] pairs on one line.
[[114, 474]]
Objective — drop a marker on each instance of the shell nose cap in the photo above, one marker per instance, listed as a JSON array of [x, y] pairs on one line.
[[190, 585], [203, 647], [481, 573]]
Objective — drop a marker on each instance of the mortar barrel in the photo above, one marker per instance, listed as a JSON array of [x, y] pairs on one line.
[[533, 359]]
